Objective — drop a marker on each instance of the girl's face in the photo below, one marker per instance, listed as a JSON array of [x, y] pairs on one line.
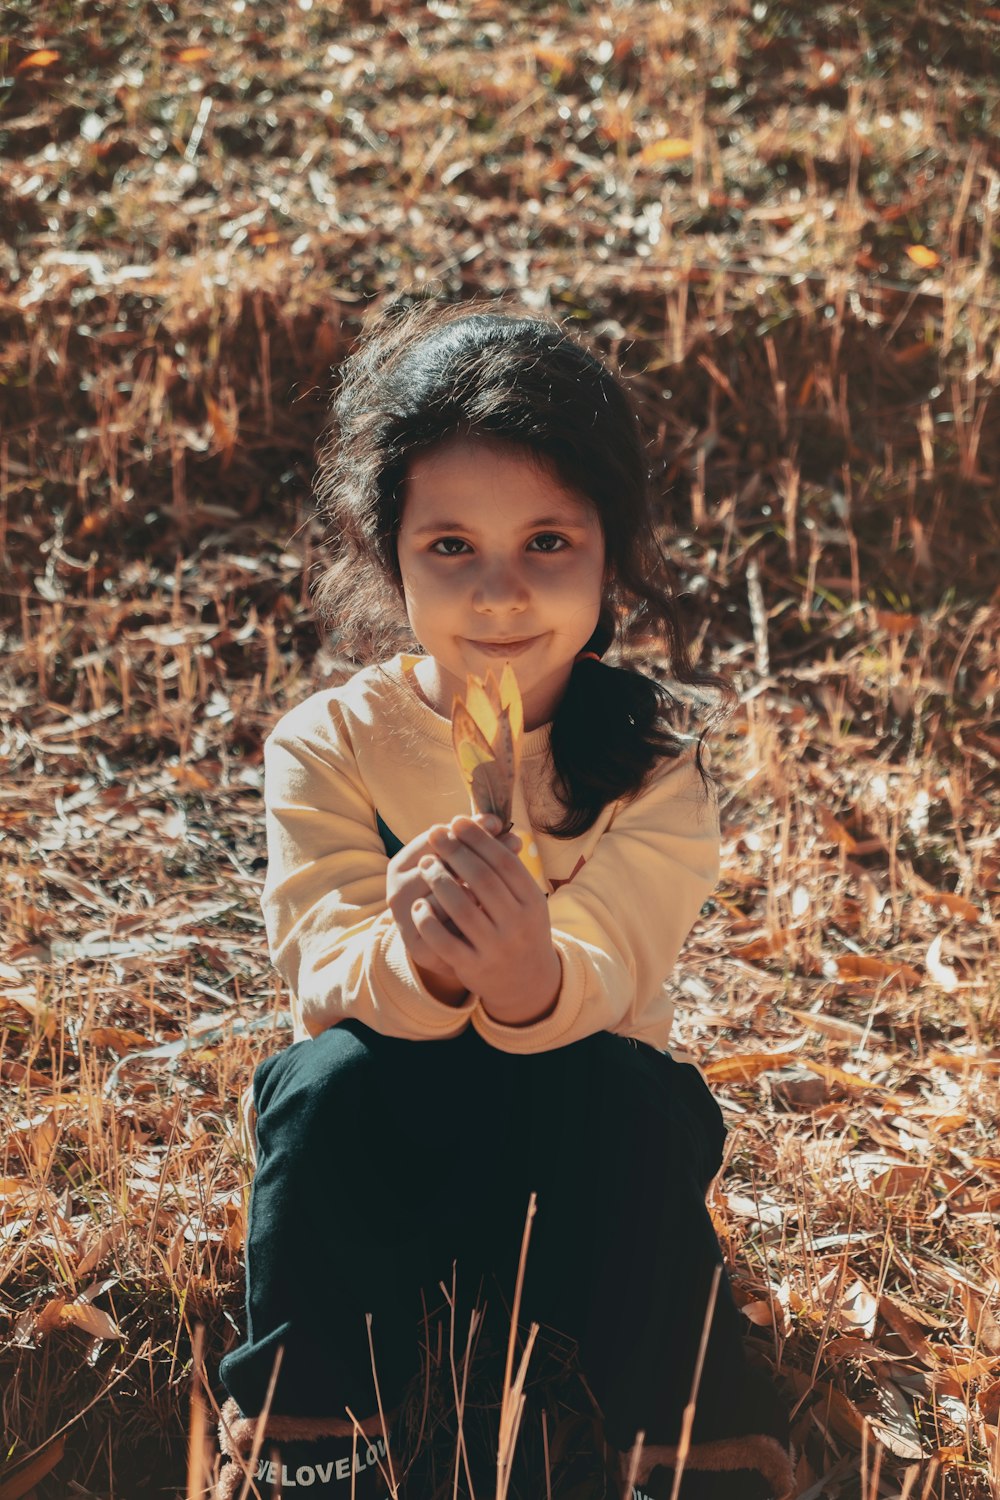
[[492, 548]]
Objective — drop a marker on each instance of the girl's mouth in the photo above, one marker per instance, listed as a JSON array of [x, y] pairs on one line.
[[503, 648]]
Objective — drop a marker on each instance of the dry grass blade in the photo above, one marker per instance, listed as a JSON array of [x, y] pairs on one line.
[[512, 1407], [687, 1420]]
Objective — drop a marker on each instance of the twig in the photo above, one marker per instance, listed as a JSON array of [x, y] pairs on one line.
[[687, 1420]]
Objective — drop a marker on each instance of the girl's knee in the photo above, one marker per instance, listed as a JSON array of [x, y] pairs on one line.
[[319, 1074]]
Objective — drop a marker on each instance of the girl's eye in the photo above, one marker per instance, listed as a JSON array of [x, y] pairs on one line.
[[550, 536], [544, 536], [439, 541]]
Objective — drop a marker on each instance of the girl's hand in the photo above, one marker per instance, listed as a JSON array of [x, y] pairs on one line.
[[406, 883], [499, 938]]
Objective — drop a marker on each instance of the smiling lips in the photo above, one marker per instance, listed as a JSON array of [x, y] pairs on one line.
[[496, 648]]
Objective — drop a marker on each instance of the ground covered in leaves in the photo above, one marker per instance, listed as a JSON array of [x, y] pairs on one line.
[[783, 222]]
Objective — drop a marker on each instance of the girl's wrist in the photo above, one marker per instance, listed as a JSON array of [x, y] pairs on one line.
[[444, 987], [532, 1007]]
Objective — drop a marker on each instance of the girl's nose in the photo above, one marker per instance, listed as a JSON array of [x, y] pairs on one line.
[[498, 585]]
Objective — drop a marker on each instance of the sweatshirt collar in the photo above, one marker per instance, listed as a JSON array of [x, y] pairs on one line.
[[400, 669]]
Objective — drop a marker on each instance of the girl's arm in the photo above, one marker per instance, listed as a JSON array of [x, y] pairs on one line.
[[619, 925], [330, 932]]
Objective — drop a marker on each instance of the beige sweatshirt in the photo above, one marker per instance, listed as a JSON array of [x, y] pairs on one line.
[[356, 771]]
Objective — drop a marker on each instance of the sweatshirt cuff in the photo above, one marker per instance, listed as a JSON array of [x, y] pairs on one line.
[[395, 978], [540, 1036]]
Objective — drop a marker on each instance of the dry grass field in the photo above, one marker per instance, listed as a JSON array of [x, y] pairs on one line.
[[784, 220]]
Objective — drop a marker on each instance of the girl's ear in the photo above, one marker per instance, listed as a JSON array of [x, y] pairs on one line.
[[605, 630]]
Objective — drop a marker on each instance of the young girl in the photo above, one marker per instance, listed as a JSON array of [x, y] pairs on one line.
[[466, 1034]]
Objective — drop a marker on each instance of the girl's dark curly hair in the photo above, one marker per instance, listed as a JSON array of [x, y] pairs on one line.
[[425, 371]]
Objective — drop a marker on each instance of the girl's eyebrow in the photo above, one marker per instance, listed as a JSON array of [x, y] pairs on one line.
[[564, 521]]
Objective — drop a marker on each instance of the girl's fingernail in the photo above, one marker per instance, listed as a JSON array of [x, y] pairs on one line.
[[491, 823]]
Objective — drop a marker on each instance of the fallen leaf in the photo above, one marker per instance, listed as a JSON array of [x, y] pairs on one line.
[[40, 59], [896, 624], [672, 148], [834, 1026], [961, 1062], [746, 1066], [188, 776], [555, 61], [893, 1424], [768, 945], [959, 906], [835, 832], [830, 1407], [855, 1309], [117, 1038], [24, 1480], [864, 966], [943, 973], [92, 1320], [988, 1401], [764, 1209], [840, 1075], [981, 1320]]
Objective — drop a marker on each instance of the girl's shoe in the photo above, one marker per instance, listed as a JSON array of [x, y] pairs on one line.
[[298, 1453], [749, 1468], [756, 1464]]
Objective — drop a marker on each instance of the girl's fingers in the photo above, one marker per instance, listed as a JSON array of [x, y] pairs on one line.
[[432, 931], [466, 866], [510, 875], [454, 900]]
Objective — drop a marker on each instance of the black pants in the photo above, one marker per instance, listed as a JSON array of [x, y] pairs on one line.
[[380, 1161]]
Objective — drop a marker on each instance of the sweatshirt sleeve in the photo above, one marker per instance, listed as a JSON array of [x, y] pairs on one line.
[[330, 932], [618, 926]]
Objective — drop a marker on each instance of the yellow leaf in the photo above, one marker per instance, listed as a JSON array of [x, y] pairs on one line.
[[486, 729], [469, 757], [482, 735], [864, 966], [838, 1075], [831, 1408], [466, 732], [225, 424], [187, 776], [92, 1320], [961, 1061], [14, 1186], [673, 148], [747, 1065], [950, 1456], [944, 1125], [758, 1312], [957, 905], [555, 61], [481, 708], [51, 1315], [118, 1038], [510, 699], [829, 1025], [766, 946], [38, 59], [922, 256], [477, 759], [894, 622], [835, 832]]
